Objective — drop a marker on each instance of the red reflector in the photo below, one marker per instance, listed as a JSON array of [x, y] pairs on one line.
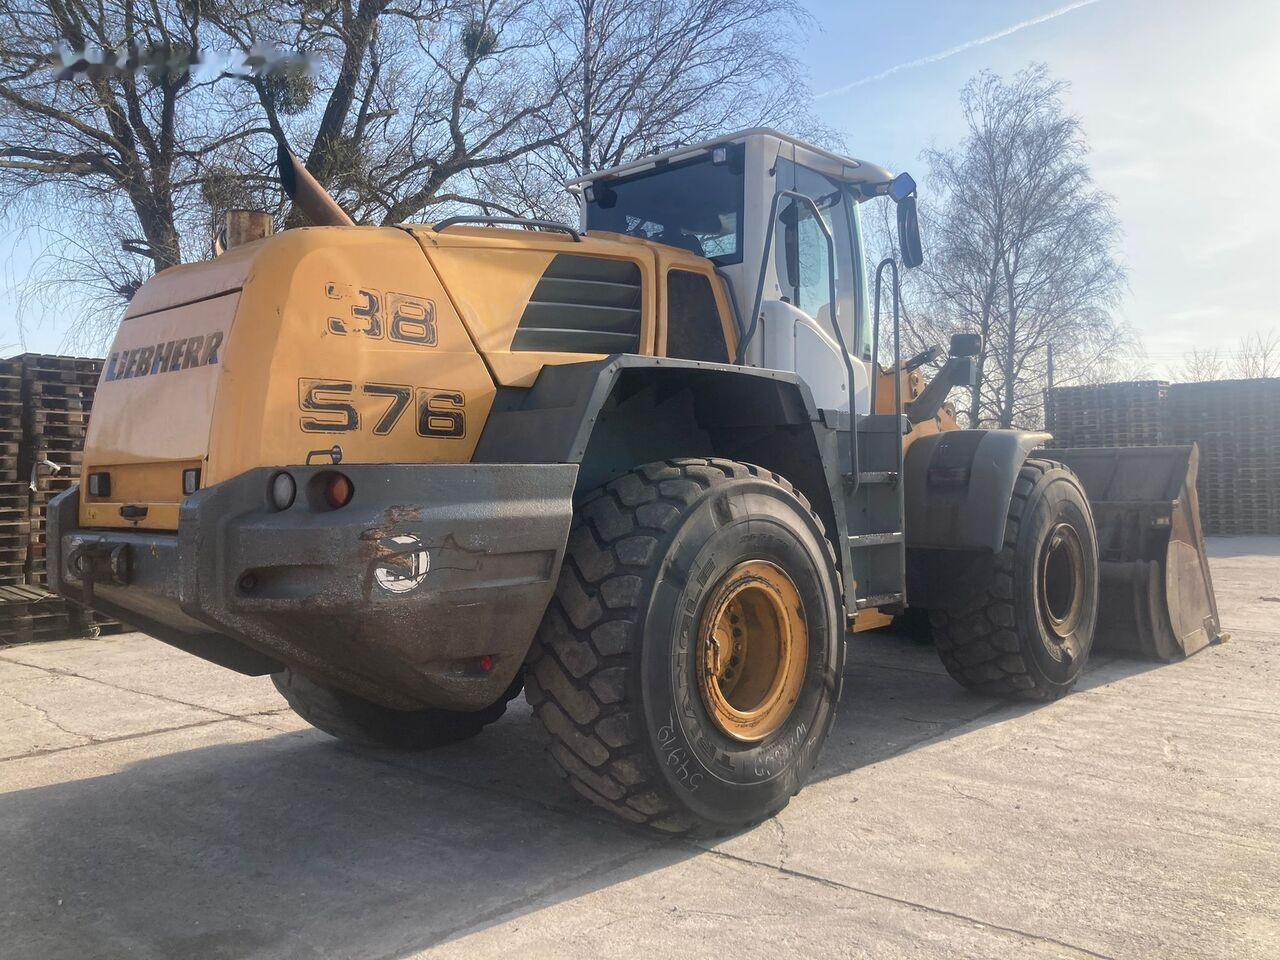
[[338, 491], [486, 663]]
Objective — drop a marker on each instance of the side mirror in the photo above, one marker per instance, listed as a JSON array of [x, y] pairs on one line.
[[966, 344], [901, 187], [909, 232]]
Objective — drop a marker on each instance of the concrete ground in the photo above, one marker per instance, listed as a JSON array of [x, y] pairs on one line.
[[152, 805]]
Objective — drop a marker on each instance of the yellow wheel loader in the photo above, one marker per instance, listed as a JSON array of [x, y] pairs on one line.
[[646, 467]]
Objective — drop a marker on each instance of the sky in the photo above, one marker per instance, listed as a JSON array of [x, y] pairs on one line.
[[1180, 101]]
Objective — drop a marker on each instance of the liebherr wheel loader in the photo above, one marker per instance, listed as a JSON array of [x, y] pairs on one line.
[[649, 468]]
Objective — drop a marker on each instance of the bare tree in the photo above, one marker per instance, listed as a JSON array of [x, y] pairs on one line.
[[118, 148], [1200, 365], [649, 74], [1259, 355], [640, 76], [1022, 245], [409, 109]]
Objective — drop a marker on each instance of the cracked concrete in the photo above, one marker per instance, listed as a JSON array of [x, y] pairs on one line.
[[154, 806]]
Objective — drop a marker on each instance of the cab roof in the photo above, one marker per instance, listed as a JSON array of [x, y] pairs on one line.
[[833, 164]]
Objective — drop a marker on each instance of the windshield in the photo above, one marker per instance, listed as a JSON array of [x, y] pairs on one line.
[[695, 204]]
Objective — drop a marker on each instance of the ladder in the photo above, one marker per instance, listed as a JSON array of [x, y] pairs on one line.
[[874, 495]]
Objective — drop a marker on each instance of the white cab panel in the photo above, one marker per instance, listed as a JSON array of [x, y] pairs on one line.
[[789, 339]]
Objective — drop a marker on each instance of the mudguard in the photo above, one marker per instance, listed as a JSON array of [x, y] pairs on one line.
[[958, 485], [609, 415]]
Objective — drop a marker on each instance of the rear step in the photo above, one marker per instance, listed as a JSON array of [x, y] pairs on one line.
[[881, 600], [877, 476], [875, 539]]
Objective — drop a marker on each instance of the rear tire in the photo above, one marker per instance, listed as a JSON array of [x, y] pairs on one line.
[[359, 721], [614, 676], [1028, 634]]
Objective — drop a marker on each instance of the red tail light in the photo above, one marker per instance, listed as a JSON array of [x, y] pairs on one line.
[[338, 491]]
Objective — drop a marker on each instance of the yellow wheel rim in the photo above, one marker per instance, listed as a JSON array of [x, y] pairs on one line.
[[752, 651]]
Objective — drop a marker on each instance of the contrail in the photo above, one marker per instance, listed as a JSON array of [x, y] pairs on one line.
[[960, 48]]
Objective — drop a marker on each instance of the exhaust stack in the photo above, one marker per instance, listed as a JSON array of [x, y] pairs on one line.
[[306, 192]]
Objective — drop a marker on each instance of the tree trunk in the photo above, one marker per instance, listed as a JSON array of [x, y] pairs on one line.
[[588, 84], [975, 400], [358, 35]]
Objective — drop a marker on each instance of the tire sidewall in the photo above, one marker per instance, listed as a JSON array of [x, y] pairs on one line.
[[723, 780], [1056, 498]]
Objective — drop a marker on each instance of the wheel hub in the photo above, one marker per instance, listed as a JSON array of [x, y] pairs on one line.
[[1062, 586], [752, 649]]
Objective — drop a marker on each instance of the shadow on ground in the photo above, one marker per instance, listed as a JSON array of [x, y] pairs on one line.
[[237, 840]]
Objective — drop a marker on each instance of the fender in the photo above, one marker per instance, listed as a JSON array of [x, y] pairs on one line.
[[610, 415], [959, 484]]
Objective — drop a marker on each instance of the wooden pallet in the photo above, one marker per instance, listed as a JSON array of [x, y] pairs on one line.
[[87, 622], [29, 614], [1235, 422]]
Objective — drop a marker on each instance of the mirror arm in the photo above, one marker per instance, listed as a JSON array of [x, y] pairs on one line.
[[956, 372]]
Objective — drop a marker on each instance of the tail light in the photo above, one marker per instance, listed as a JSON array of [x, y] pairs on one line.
[[283, 490], [337, 490]]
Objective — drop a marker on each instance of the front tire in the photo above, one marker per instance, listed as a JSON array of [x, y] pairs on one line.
[[359, 721], [688, 667], [1028, 634]]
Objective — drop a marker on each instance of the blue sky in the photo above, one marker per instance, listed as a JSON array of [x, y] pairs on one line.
[[1180, 100]]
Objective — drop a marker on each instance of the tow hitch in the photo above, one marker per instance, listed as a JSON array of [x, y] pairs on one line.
[[95, 560]]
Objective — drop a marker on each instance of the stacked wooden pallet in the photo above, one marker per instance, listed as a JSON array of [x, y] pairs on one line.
[[32, 613], [1237, 425], [57, 394], [15, 524], [1235, 422], [1107, 415], [45, 403]]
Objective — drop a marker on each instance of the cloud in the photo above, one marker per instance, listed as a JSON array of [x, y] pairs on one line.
[[960, 48]]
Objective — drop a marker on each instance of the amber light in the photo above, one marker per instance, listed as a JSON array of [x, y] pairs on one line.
[[338, 491]]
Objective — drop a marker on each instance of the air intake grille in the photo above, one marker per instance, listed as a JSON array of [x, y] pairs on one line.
[[583, 305]]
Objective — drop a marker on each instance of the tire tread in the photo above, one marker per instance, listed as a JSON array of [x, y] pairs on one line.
[[596, 740], [976, 640]]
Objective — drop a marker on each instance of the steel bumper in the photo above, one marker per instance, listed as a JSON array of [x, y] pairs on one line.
[[425, 590]]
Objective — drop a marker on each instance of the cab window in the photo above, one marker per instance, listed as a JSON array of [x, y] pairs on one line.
[[694, 330], [804, 260], [692, 204]]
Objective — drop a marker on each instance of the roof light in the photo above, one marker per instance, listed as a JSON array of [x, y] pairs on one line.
[[720, 155]]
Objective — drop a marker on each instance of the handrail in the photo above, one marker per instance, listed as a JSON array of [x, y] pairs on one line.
[[892, 265], [528, 223]]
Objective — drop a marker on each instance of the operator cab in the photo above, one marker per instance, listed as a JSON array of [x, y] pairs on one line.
[[779, 220]]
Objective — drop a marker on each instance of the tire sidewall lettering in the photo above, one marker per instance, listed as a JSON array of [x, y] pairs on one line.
[[718, 772]]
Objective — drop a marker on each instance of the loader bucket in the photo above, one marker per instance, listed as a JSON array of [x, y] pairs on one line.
[[1156, 597]]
